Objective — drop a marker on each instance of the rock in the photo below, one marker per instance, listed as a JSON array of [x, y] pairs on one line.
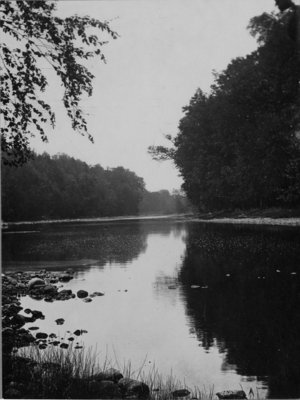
[[105, 389], [67, 292], [65, 278], [18, 321], [59, 321], [82, 293], [64, 345], [98, 294], [181, 393], [231, 394], [49, 289], [64, 294], [41, 335], [7, 331], [134, 389], [77, 332], [13, 309], [87, 300], [37, 314], [111, 374], [34, 282]]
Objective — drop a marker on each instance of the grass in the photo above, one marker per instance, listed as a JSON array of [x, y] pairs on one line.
[[66, 373]]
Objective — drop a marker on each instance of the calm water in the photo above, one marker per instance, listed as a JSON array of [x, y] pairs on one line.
[[239, 326]]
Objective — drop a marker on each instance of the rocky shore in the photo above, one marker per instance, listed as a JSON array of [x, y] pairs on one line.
[[24, 377]]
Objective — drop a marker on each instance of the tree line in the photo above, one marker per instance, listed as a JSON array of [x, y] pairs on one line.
[[63, 187], [239, 145]]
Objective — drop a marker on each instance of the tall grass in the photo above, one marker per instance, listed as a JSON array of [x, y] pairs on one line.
[[66, 373]]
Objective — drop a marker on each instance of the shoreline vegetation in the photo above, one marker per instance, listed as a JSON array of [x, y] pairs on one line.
[[270, 216]]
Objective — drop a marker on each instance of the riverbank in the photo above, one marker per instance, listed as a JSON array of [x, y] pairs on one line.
[[270, 216]]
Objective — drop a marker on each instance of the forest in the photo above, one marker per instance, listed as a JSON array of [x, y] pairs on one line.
[[239, 145], [63, 187]]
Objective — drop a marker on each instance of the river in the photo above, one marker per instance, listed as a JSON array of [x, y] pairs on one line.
[[215, 305]]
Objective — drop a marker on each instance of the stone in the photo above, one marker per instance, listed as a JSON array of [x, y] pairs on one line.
[[7, 331], [65, 278], [49, 289], [13, 309], [231, 394], [105, 389], [41, 335], [133, 389], [37, 314], [87, 300], [34, 282], [59, 321], [110, 374], [18, 321], [82, 293]]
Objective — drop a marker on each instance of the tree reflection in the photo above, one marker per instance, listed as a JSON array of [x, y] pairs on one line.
[[104, 243], [249, 300]]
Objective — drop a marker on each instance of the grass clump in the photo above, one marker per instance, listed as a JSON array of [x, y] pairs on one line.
[[56, 373]]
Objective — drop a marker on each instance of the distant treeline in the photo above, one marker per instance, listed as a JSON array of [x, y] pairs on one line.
[[63, 187]]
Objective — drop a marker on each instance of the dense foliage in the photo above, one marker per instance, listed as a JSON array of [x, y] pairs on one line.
[[35, 40], [63, 187], [163, 202], [238, 146]]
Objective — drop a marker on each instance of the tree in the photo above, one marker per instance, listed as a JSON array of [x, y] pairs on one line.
[[238, 146], [35, 35]]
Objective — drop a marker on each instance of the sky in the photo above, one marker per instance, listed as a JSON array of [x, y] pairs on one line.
[[166, 50]]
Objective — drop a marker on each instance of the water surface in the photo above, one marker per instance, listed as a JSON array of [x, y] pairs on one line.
[[215, 305]]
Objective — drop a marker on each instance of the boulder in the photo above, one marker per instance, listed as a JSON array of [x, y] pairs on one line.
[[41, 335], [104, 389], [133, 389], [35, 282], [49, 289], [82, 293], [231, 395], [37, 314], [18, 320], [65, 277], [110, 374]]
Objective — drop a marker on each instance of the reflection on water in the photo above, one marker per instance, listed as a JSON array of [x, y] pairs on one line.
[[239, 323], [251, 307]]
